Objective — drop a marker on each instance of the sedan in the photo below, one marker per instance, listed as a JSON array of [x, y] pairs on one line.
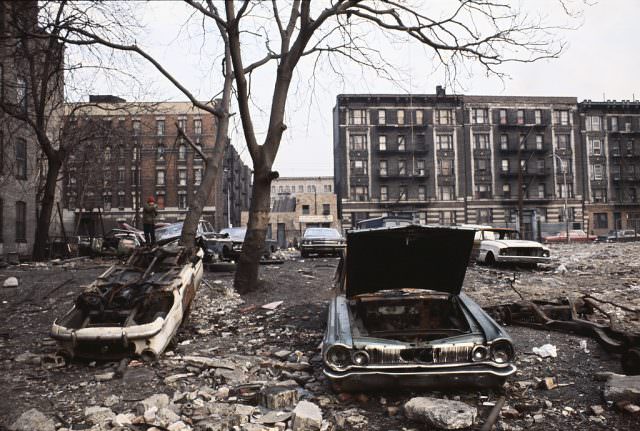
[[399, 318], [321, 241]]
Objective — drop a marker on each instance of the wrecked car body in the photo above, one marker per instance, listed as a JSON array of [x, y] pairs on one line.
[[213, 244], [233, 249], [399, 318], [133, 309]]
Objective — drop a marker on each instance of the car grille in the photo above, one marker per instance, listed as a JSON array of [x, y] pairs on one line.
[[437, 354], [323, 242], [523, 251]]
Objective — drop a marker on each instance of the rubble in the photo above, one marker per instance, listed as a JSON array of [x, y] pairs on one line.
[[278, 397], [306, 417], [10, 282], [440, 413], [622, 388], [32, 420], [546, 351]]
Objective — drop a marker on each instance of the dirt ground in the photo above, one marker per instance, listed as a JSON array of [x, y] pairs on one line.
[[221, 324]]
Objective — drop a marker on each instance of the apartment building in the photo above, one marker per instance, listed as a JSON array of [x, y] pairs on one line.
[[136, 152], [458, 159], [287, 186], [610, 132]]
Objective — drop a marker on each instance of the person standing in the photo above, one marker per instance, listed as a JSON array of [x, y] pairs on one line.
[[149, 213]]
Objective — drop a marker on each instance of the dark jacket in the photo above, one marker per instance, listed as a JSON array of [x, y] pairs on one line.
[[149, 213]]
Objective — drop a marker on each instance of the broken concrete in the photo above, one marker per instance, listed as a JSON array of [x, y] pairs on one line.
[[278, 397], [622, 388], [306, 417], [10, 282], [439, 413], [32, 420]]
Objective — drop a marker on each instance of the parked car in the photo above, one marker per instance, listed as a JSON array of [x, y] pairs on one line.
[[399, 318], [236, 235], [575, 235], [211, 242], [503, 245], [322, 241], [623, 235]]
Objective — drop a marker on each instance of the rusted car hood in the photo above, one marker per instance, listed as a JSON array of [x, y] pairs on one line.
[[410, 257]]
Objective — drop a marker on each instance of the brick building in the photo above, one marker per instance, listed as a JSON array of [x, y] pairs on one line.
[[610, 132], [137, 153], [22, 170], [458, 159]]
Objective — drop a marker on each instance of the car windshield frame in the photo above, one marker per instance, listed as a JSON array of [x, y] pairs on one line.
[[322, 232]]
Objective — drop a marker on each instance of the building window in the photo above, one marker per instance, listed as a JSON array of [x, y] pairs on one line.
[[479, 116], [420, 168], [600, 220], [596, 147], [403, 195], [539, 142], [135, 125], [402, 167], [134, 153], [197, 176], [422, 217], [21, 221], [503, 116], [484, 215], [504, 142], [21, 93], [400, 114], [360, 193], [182, 152], [358, 167], [135, 177], [593, 123], [444, 116], [357, 142], [540, 165], [197, 127], [562, 142], [537, 116], [357, 116], [21, 159], [505, 165], [160, 152], [401, 143], [382, 116], [326, 209], [327, 188], [446, 193], [598, 172], [561, 117], [445, 167], [160, 178], [419, 117], [384, 193], [121, 176], [506, 191], [301, 188], [383, 168], [121, 203], [182, 177], [447, 217], [305, 209], [444, 142], [311, 188], [523, 165], [182, 124], [160, 127], [614, 124], [520, 116], [421, 193], [160, 202], [382, 143], [196, 154], [566, 191], [483, 191], [541, 191], [182, 201], [481, 141], [482, 165]]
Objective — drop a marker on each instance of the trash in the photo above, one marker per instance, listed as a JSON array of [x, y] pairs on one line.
[[10, 282], [548, 383], [546, 351], [583, 346], [596, 410], [272, 305]]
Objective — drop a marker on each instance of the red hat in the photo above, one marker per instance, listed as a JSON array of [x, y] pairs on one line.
[[151, 199]]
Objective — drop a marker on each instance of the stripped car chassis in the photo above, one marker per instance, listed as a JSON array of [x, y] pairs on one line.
[[133, 309], [571, 315]]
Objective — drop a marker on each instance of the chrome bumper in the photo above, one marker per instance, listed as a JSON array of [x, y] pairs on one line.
[[522, 259]]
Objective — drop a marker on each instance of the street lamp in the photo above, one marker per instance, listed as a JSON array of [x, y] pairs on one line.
[[566, 192]]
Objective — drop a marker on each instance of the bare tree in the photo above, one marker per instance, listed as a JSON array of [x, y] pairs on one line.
[[259, 34]]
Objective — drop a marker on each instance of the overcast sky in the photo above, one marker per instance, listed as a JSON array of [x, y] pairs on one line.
[[600, 61]]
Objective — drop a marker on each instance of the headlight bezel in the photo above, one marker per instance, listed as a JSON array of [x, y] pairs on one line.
[[502, 351], [339, 357]]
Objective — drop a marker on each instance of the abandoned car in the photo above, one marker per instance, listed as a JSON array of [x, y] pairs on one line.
[[236, 235], [132, 309], [213, 244], [321, 241], [503, 245], [399, 318]]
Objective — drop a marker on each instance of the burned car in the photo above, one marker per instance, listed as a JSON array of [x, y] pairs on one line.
[[399, 318], [133, 309], [212, 243]]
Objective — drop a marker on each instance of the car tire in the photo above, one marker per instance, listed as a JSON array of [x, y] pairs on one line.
[[489, 259]]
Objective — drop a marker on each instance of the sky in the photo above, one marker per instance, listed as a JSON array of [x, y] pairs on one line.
[[600, 61]]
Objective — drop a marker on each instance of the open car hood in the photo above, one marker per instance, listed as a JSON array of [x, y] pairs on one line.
[[410, 257]]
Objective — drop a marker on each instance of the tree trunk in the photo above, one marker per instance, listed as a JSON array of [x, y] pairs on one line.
[[46, 209], [246, 278]]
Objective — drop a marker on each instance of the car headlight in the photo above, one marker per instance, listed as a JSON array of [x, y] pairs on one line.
[[502, 352], [360, 357], [545, 253], [503, 251], [338, 356], [479, 353]]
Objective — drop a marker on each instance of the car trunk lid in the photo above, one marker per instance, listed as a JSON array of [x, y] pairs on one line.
[[410, 257]]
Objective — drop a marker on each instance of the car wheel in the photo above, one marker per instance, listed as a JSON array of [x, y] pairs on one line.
[[631, 362], [490, 259]]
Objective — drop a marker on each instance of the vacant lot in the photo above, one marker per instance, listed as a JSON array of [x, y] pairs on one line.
[[223, 325]]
